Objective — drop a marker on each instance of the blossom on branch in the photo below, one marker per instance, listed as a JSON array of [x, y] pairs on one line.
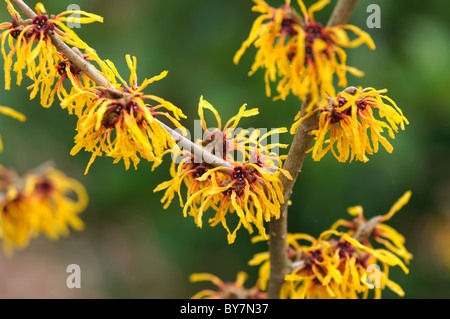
[[30, 41], [380, 232], [342, 264], [64, 69], [299, 53], [249, 188], [118, 121], [349, 126]]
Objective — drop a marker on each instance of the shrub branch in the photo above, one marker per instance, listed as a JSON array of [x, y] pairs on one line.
[[293, 163]]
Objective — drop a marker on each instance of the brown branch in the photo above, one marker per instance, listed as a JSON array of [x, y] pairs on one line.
[[342, 12], [293, 163], [278, 227], [365, 230], [199, 152]]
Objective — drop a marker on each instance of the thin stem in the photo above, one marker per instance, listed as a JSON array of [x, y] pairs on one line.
[[199, 152], [293, 163], [364, 232], [342, 12], [278, 227]]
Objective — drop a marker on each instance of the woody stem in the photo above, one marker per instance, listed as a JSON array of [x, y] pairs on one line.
[[278, 227], [342, 12], [293, 163], [84, 66]]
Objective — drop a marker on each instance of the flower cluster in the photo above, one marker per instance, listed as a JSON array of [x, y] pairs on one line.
[[250, 188], [30, 42], [342, 264], [227, 290], [351, 121], [119, 122], [52, 83], [14, 114], [299, 53], [44, 201]]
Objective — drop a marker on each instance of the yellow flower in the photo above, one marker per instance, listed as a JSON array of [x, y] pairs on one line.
[[349, 118], [246, 190], [14, 114], [381, 233], [234, 290], [300, 53], [118, 122], [49, 203], [63, 69], [342, 264], [30, 41], [250, 188]]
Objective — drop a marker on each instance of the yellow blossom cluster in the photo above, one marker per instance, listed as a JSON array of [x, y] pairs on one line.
[[342, 264], [119, 122], [298, 52], [29, 46], [350, 121], [249, 187], [44, 201]]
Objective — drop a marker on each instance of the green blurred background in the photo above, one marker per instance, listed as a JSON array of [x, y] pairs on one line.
[[132, 248]]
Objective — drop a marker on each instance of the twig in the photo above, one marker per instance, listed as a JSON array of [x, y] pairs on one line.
[[364, 232], [293, 163], [278, 228], [199, 152], [342, 12]]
